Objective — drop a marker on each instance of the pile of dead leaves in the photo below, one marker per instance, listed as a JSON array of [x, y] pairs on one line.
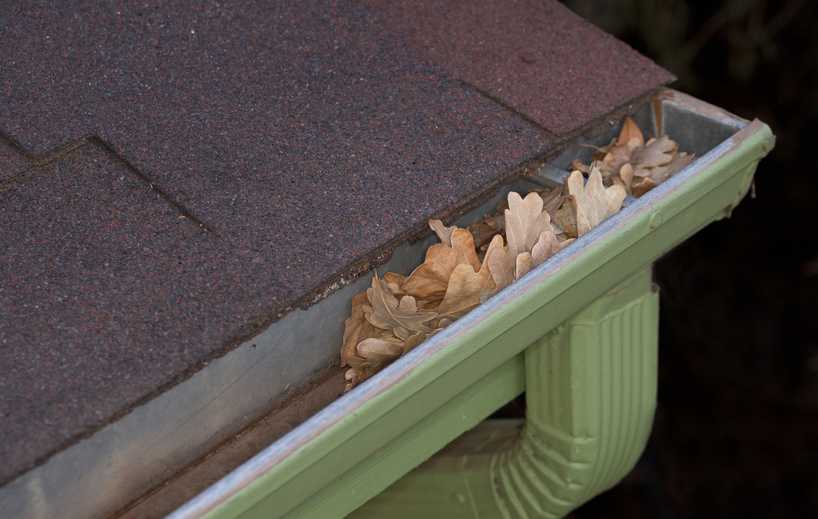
[[399, 312], [634, 163]]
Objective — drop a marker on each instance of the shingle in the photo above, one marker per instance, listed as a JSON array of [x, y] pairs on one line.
[[537, 57]]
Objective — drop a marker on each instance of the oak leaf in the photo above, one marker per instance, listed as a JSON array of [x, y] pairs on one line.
[[356, 328], [461, 240], [444, 234], [656, 152], [662, 172], [413, 340], [394, 281], [525, 220], [485, 229], [380, 350], [499, 262], [592, 202], [642, 186], [547, 245], [630, 132], [430, 279], [522, 264], [387, 312], [357, 374], [465, 291], [463, 245], [565, 218], [552, 200]]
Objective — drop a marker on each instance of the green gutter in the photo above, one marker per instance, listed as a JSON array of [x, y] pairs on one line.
[[364, 442]]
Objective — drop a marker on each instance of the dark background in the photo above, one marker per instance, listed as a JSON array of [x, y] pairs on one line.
[[736, 432]]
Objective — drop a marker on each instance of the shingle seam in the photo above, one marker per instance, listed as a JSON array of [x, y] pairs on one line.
[[181, 208], [41, 161], [491, 97]]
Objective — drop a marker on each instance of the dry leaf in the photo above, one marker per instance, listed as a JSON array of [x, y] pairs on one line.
[[620, 152], [356, 328], [525, 220], [401, 333], [430, 279], [463, 245], [615, 196], [358, 374], [656, 152], [578, 165], [566, 217], [444, 322], [626, 175], [679, 162], [500, 263], [380, 350], [617, 156], [642, 186], [592, 201], [547, 245], [444, 234], [630, 132], [484, 230], [387, 312], [646, 178], [464, 291], [413, 341], [661, 173], [552, 200], [522, 264], [461, 240], [394, 281]]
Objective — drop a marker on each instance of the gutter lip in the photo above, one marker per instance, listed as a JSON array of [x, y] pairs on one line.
[[345, 407]]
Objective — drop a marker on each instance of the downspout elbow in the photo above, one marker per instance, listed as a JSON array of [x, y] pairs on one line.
[[590, 402]]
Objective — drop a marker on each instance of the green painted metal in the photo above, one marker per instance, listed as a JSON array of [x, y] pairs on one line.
[[590, 398], [357, 456]]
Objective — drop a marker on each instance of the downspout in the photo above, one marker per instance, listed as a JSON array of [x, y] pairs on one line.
[[590, 401]]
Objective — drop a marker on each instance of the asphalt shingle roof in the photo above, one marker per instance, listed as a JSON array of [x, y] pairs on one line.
[[173, 179]]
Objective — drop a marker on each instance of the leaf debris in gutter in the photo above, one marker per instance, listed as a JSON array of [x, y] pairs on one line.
[[468, 266]]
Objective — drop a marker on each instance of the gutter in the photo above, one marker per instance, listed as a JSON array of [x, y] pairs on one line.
[[577, 334]]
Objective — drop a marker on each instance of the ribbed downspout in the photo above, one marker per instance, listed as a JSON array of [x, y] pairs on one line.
[[590, 398]]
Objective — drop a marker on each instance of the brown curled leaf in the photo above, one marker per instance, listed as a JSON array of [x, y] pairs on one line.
[[387, 312], [499, 262], [465, 290], [356, 329]]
